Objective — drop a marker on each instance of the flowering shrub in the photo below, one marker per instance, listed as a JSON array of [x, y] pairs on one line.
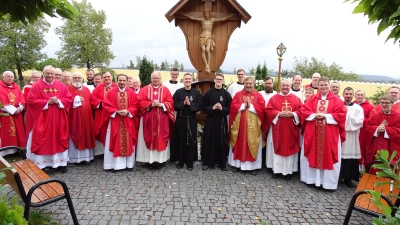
[[259, 85]]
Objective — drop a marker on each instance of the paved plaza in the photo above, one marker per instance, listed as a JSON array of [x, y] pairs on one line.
[[178, 196]]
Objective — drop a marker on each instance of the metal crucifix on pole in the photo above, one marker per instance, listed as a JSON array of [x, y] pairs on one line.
[[280, 50]]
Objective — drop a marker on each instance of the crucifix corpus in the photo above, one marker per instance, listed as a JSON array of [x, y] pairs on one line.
[[206, 37]]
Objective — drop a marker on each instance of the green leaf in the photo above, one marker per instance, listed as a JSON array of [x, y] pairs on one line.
[[360, 8]]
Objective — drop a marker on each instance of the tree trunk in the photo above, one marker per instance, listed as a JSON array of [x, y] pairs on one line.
[[20, 77], [88, 64]]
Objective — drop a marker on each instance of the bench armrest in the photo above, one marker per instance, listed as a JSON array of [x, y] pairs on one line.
[[53, 180]]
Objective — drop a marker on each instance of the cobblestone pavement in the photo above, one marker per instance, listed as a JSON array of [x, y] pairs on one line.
[[178, 196]]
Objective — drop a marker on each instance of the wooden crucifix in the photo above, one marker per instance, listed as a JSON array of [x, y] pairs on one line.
[[207, 25]]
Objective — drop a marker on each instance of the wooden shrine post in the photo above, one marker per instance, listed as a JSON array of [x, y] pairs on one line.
[[207, 26]]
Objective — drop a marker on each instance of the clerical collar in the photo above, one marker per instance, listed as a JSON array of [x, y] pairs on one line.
[[173, 82], [155, 86], [8, 85], [90, 83], [108, 84], [240, 83], [280, 93], [350, 104], [272, 91], [48, 82], [360, 102], [121, 90], [296, 90]]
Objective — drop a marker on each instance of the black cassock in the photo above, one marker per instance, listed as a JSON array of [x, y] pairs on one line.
[[184, 139], [214, 144]]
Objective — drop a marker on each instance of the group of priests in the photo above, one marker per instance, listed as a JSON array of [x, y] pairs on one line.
[[311, 129]]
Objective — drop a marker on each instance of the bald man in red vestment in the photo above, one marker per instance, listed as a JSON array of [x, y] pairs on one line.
[[283, 118], [245, 122], [47, 122], [12, 129], [82, 140], [323, 117], [156, 107], [96, 99]]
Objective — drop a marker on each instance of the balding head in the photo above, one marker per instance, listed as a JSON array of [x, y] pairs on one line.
[[8, 77], [155, 78]]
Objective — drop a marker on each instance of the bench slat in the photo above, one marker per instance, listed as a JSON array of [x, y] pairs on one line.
[[55, 186], [367, 183], [30, 177]]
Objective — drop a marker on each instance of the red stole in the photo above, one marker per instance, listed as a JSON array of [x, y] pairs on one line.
[[156, 123], [367, 108], [12, 129], [241, 150], [123, 135], [50, 130], [285, 134], [81, 120], [98, 95], [321, 139]]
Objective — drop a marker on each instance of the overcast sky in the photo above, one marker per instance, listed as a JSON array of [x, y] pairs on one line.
[[324, 29]]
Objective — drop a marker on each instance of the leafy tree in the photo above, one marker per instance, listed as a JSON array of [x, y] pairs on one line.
[[182, 68], [50, 61], [21, 45], [131, 65], [374, 99], [145, 71], [384, 12], [29, 11], [176, 64], [252, 71], [234, 70], [85, 41], [258, 72], [163, 67], [308, 67], [138, 62], [264, 71], [156, 67], [219, 70]]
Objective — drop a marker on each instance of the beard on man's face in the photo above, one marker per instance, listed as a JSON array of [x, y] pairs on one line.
[[268, 89], [77, 84]]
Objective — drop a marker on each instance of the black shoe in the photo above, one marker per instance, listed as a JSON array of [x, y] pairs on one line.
[[129, 169], [190, 168], [63, 169], [205, 167], [179, 166], [274, 175], [288, 177], [236, 169], [349, 184], [224, 169], [254, 172], [151, 167], [111, 171]]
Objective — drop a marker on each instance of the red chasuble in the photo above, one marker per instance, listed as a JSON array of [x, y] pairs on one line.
[[285, 134], [244, 127], [96, 98], [320, 138], [50, 130], [374, 144], [156, 123], [81, 120], [26, 89], [123, 134], [12, 129], [367, 108]]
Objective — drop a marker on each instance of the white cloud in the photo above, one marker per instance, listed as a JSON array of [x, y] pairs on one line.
[[323, 29]]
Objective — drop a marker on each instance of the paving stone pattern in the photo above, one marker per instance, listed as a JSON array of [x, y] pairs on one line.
[[173, 196]]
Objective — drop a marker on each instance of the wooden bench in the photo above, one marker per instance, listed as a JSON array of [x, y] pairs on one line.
[[34, 186], [362, 200]]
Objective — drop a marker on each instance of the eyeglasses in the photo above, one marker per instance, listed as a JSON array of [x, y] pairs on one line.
[[58, 74], [219, 79], [385, 103]]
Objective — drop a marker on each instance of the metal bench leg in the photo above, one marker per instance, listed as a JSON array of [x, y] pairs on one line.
[[71, 206], [27, 210], [350, 210]]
